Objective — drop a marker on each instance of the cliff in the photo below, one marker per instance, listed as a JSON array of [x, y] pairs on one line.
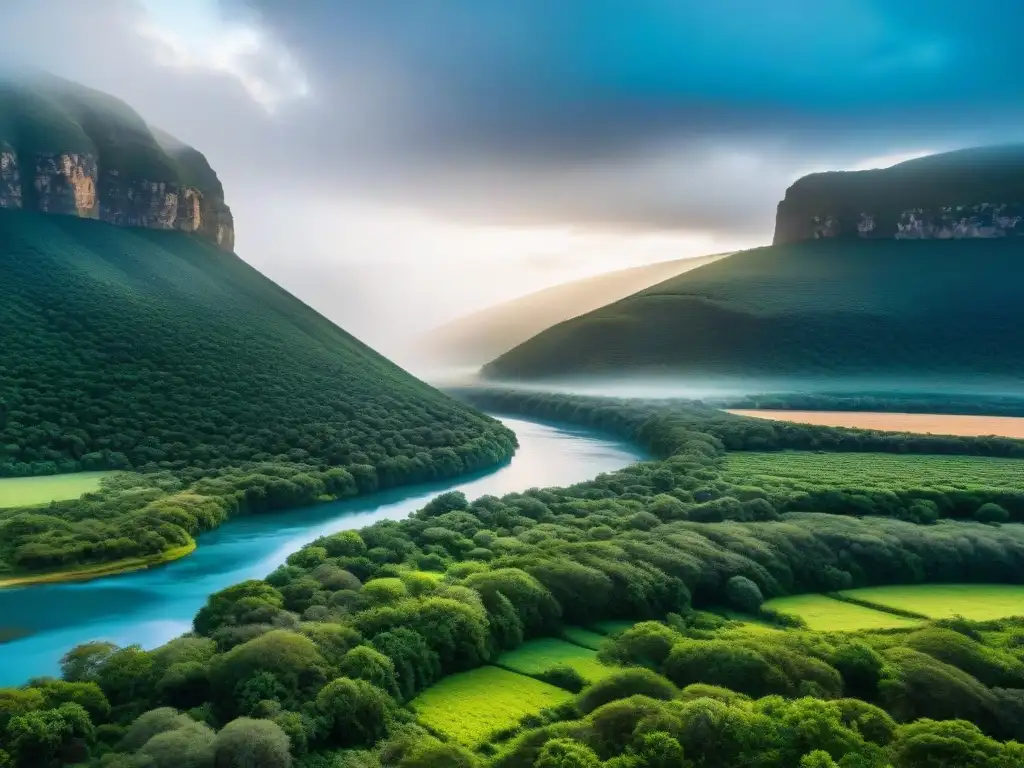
[[970, 193], [66, 149]]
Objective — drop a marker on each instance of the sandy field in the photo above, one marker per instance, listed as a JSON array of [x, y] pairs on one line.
[[924, 423]]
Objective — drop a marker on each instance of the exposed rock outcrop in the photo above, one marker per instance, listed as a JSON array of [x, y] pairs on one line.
[[65, 149], [973, 193]]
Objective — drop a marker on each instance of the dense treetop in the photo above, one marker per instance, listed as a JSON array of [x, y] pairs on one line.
[[153, 351], [328, 650], [936, 310]]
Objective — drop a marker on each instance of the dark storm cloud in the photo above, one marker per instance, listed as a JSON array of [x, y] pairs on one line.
[[509, 109], [663, 113]]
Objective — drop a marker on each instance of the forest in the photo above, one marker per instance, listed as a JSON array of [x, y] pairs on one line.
[[345, 656], [828, 310], [148, 351]]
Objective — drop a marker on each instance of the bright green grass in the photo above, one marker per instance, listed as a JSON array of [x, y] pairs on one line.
[[470, 706], [536, 656], [32, 491], [826, 614], [584, 637], [612, 627], [875, 471], [978, 602]]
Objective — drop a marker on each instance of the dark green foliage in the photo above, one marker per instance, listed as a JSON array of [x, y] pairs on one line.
[[356, 712], [991, 513], [743, 594], [622, 685], [247, 743], [564, 676], [696, 690], [242, 399], [825, 308]]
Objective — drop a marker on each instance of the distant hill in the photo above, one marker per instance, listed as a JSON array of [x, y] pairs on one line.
[[833, 308], [965, 194], [481, 336], [72, 150], [128, 348]]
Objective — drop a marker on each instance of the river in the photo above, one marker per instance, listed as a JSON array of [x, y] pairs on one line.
[[151, 607]]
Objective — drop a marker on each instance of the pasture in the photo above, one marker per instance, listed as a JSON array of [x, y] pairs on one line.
[[584, 637], [919, 423], [873, 471], [826, 614], [37, 491], [978, 602], [470, 706], [536, 656]]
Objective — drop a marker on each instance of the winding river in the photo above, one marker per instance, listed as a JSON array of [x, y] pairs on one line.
[[151, 607]]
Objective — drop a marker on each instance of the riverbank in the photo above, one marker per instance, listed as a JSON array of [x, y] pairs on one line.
[[99, 570]]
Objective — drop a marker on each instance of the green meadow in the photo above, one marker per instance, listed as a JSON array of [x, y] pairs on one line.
[[470, 706], [36, 491], [978, 602], [826, 614], [536, 656]]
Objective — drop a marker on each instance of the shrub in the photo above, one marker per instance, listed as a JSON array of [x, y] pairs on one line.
[[621, 685], [246, 743], [743, 594], [564, 676]]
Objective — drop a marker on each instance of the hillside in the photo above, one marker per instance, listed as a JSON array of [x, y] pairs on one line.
[[482, 336], [965, 194], [68, 149], [827, 308], [155, 351]]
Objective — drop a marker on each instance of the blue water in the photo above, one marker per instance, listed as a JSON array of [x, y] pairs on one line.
[[154, 606]]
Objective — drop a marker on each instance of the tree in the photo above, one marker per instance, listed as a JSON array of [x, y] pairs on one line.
[[565, 677], [40, 737], [621, 685], [188, 746], [247, 743], [83, 662], [355, 711], [743, 594], [566, 753], [819, 758], [366, 663], [992, 514]]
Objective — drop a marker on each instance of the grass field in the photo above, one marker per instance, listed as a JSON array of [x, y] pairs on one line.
[[876, 471], [825, 614], [470, 706], [919, 423], [535, 656], [584, 637], [35, 491], [978, 602]]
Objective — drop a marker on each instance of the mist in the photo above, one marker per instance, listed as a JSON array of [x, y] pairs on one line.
[[397, 174]]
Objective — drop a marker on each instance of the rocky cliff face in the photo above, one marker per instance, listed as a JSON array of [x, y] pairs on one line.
[[73, 184], [976, 193]]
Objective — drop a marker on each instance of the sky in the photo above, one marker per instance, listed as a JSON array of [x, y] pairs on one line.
[[398, 163]]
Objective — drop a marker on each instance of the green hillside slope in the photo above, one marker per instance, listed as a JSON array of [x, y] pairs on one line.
[[482, 336], [155, 351], [825, 308]]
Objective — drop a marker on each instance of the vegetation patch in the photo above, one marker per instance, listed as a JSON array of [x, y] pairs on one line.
[[977, 602], [825, 614], [612, 626], [584, 637], [537, 656], [470, 706], [33, 491], [830, 309]]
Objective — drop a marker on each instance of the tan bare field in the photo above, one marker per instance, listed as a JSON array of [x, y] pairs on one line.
[[923, 423]]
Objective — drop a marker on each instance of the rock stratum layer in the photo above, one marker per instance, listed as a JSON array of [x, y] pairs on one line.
[[66, 149], [967, 194]]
